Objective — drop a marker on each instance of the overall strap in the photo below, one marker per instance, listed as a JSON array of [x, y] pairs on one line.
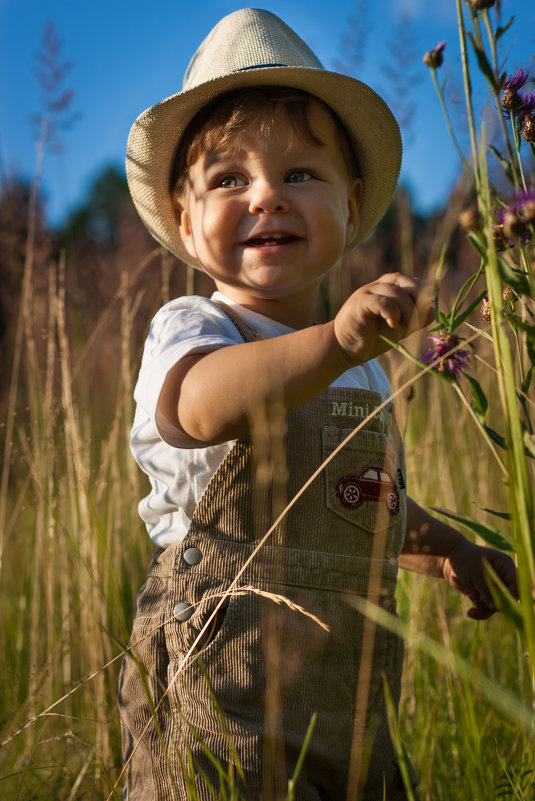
[[247, 333]]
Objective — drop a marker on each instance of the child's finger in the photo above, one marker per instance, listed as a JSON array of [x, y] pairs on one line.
[[401, 306]]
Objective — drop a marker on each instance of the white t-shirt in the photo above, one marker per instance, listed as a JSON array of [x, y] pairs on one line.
[[178, 473]]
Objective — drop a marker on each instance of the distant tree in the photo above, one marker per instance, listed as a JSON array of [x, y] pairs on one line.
[[98, 218], [15, 196]]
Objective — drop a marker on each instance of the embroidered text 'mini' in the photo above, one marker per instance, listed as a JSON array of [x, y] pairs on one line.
[[350, 409]]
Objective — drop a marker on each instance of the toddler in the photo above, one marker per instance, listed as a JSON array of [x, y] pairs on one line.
[[264, 171]]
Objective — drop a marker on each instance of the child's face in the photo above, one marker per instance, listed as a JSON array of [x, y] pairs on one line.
[[269, 222]]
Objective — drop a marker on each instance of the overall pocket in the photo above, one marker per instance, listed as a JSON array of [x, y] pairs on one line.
[[225, 675], [363, 482]]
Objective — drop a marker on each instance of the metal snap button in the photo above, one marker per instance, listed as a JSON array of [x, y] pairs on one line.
[[183, 611], [192, 556]]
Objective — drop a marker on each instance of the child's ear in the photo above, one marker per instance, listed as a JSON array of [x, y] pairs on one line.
[[182, 218], [353, 210]]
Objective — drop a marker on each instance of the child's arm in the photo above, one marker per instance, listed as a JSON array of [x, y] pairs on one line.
[[434, 548], [213, 396]]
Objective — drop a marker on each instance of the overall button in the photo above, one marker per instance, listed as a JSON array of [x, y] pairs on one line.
[[183, 611], [192, 556]]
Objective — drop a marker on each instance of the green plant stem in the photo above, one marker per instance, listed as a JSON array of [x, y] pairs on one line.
[[468, 93], [517, 151], [496, 93], [521, 501]]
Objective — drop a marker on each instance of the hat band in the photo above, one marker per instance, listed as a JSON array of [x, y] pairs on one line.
[[260, 66]]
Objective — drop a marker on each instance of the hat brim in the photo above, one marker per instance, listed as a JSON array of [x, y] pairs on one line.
[[155, 134]]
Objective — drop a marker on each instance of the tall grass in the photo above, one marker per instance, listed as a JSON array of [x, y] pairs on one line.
[[73, 551]]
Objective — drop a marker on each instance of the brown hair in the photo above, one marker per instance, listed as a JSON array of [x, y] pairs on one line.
[[218, 125]]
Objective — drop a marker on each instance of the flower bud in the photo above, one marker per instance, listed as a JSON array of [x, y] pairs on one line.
[[469, 219], [485, 309], [434, 58], [479, 5], [511, 99], [508, 295], [529, 211], [499, 238], [513, 225], [528, 128]]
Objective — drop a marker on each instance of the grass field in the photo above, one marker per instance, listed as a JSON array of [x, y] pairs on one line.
[[73, 551], [74, 554]]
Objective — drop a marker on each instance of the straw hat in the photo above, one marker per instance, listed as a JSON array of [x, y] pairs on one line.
[[252, 48]]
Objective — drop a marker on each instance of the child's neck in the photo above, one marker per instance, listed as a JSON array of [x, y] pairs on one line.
[[295, 312]]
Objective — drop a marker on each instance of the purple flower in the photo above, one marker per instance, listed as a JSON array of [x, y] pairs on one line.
[[516, 220], [512, 99], [521, 201], [520, 104], [516, 81], [433, 58], [448, 360], [528, 102]]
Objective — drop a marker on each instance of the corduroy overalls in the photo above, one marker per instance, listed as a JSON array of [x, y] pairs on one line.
[[263, 668]]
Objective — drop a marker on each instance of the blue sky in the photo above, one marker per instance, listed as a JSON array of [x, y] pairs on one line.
[[127, 56]]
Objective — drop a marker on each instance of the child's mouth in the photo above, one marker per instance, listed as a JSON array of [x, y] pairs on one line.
[[270, 240]]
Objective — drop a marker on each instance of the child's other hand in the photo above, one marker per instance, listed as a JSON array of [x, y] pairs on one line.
[[464, 569], [394, 306]]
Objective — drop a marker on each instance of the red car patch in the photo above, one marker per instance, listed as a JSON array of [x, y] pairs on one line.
[[372, 484]]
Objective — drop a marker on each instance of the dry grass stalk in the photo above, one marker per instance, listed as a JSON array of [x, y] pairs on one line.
[[22, 328], [280, 600]]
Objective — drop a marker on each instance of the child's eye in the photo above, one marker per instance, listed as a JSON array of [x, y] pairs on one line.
[[297, 176], [230, 181]]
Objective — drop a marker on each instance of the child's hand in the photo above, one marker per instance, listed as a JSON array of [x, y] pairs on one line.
[[394, 306], [464, 569]]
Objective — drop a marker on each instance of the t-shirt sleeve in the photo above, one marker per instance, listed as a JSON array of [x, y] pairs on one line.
[[182, 327]]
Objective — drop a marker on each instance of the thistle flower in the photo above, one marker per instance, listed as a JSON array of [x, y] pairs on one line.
[[528, 102], [434, 58], [514, 226], [450, 363], [511, 99], [522, 202], [519, 216], [517, 80], [514, 222]]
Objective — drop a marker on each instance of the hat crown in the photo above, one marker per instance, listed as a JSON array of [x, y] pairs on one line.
[[247, 39]]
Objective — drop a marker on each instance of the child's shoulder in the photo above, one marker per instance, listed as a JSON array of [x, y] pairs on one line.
[[189, 306], [193, 315], [191, 324]]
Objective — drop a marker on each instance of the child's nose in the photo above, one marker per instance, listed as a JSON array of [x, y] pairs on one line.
[[267, 198]]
